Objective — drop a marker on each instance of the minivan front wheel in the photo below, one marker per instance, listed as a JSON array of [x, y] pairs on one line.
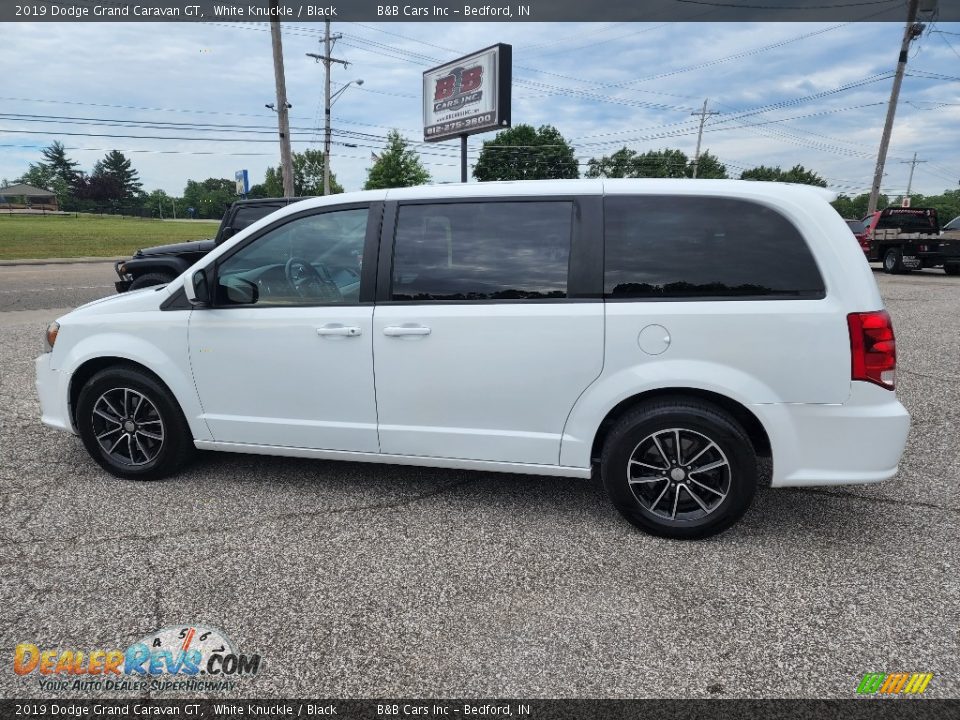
[[679, 468], [131, 424]]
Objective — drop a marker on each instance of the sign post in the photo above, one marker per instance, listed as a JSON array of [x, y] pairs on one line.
[[466, 96]]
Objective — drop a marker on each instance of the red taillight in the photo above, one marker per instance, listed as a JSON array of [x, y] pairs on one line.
[[873, 348]]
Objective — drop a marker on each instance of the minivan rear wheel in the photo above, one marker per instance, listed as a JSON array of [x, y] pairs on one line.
[[679, 468], [131, 424]]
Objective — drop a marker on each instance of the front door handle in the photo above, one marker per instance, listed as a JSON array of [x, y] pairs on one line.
[[401, 330], [339, 330]]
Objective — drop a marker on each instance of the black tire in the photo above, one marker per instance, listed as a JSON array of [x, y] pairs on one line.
[[952, 268], [893, 262], [150, 279], [697, 423], [148, 459]]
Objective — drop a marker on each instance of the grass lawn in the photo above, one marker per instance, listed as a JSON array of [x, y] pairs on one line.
[[66, 236]]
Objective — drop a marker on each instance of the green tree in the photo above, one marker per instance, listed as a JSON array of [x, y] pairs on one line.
[[523, 153], [159, 204], [119, 169], [397, 166], [259, 191], [796, 174], [57, 160], [618, 165], [856, 207], [209, 198], [709, 167], [307, 177], [666, 163], [39, 175]]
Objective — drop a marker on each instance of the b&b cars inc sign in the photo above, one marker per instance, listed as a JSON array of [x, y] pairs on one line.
[[469, 95]]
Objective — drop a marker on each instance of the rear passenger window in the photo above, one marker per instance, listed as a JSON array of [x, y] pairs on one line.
[[692, 247], [482, 251]]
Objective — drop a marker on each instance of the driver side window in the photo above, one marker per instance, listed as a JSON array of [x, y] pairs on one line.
[[311, 260]]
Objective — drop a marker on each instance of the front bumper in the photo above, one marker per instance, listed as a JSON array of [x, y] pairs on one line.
[[54, 396], [123, 284], [858, 442]]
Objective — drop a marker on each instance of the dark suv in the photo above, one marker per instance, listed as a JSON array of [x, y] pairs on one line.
[[161, 264]]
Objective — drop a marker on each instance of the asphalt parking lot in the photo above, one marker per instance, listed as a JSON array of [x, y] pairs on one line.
[[357, 580]]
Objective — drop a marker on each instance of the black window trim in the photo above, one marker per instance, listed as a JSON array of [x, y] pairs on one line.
[[584, 267], [367, 269]]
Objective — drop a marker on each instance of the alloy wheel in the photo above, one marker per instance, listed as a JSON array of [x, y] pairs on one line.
[[679, 474], [127, 426]]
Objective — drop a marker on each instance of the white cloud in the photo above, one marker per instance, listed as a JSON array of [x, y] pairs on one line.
[[221, 73]]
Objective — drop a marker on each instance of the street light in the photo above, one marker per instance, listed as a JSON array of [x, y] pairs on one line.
[[338, 93], [330, 100]]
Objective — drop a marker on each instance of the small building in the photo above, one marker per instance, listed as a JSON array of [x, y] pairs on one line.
[[27, 197]]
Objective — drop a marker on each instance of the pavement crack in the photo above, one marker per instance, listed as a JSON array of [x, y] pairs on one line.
[[293, 515]]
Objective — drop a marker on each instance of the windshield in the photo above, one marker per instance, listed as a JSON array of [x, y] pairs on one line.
[[953, 224], [856, 226]]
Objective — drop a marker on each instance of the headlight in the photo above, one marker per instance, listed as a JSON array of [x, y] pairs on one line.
[[122, 268], [52, 330]]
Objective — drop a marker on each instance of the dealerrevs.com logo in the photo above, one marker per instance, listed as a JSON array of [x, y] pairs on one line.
[[894, 683], [192, 658]]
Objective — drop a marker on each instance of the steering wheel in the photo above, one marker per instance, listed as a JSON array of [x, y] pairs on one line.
[[306, 279]]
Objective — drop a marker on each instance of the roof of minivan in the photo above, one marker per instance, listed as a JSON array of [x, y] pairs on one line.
[[748, 189], [607, 185], [653, 186]]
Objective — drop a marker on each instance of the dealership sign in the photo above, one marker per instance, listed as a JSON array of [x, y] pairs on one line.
[[242, 182], [469, 95]]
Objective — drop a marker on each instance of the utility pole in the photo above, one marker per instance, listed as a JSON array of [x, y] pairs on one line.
[[327, 60], [913, 165], [703, 119], [911, 32], [283, 118]]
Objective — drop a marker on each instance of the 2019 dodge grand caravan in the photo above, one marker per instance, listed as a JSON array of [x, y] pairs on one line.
[[666, 333]]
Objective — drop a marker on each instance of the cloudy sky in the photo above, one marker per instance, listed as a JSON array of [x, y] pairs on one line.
[[787, 93]]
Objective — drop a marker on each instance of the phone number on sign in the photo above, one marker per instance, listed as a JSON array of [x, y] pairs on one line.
[[465, 124]]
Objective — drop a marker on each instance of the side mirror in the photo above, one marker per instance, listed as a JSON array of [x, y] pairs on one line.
[[197, 289], [225, 234], [241, 291]]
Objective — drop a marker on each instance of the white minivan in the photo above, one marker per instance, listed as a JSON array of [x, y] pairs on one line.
[[665, 332]]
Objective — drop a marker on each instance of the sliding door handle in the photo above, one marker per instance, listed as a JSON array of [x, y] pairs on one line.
[[401, 330], [339, 330]]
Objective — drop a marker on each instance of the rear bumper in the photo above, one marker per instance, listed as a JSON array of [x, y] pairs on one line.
[[52, 391], [860, 441]]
